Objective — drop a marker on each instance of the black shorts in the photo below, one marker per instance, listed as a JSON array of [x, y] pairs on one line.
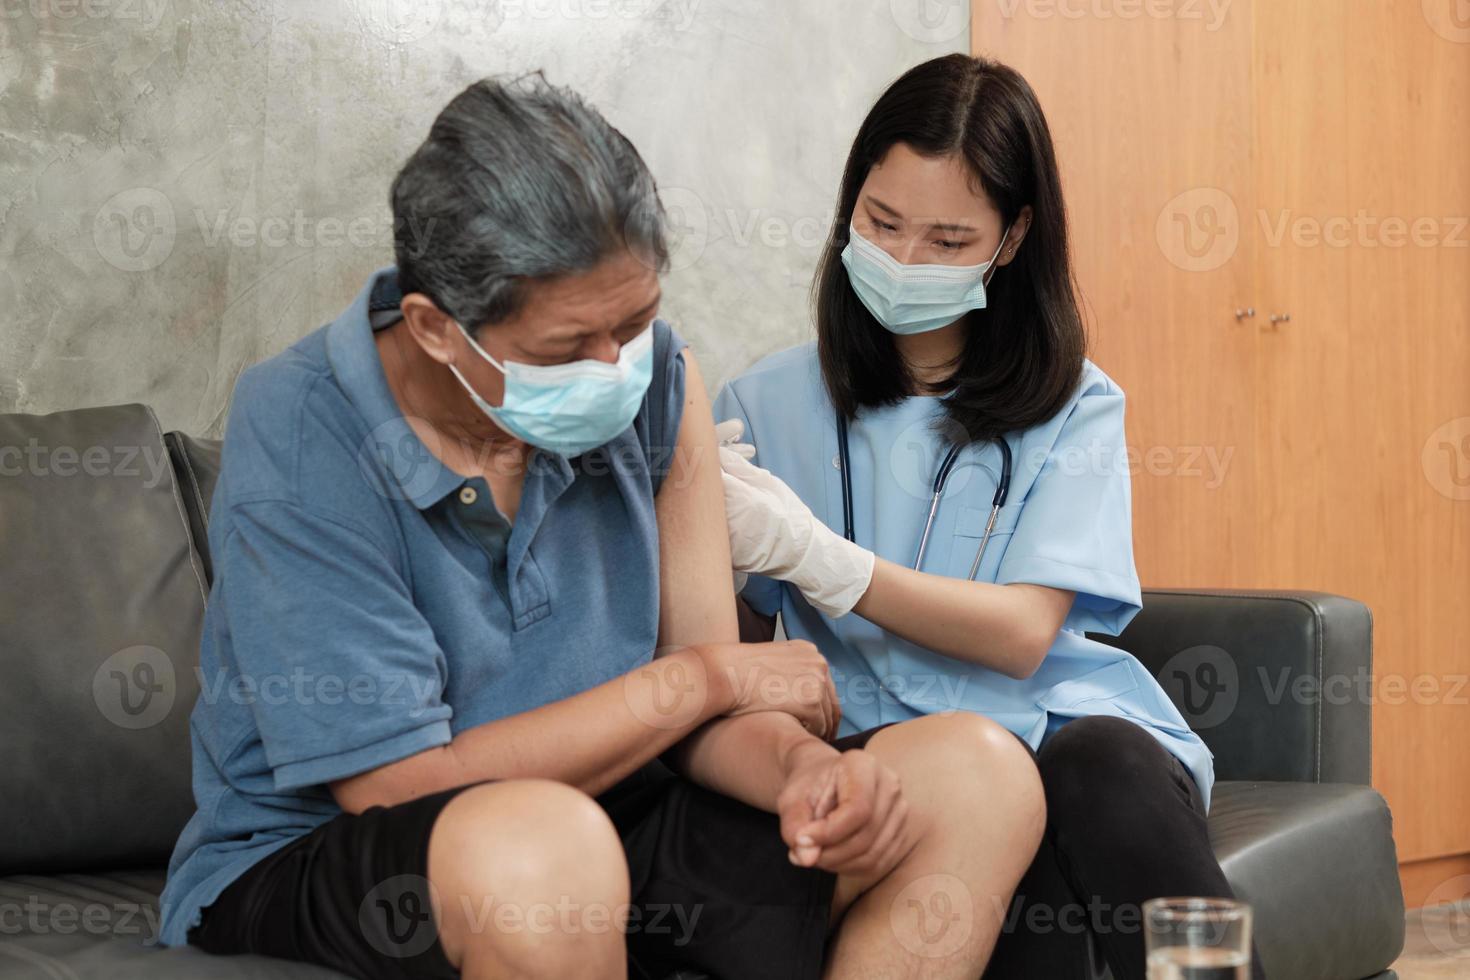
[[712, 889]]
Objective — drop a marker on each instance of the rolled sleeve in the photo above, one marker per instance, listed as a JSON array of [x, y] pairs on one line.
[[1075, 531], [341, 671], [663, 404]]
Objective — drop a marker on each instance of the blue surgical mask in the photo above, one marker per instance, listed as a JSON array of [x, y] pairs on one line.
[[914, 298], [569, 408]]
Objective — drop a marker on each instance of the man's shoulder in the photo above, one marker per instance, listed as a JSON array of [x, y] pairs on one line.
[[293, 434]]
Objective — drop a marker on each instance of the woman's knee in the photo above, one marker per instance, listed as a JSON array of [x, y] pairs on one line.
[[519, 849], [1100, 765]]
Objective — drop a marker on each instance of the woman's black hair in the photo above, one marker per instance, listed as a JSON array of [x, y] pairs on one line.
[[1022, 357]]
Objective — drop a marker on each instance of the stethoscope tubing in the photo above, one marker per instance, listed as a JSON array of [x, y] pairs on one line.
[[941, 478]]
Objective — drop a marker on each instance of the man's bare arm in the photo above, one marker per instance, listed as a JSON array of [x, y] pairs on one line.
[[590, 740], [747, 757]]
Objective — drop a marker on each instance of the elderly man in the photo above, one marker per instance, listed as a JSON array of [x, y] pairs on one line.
[[472, 592]]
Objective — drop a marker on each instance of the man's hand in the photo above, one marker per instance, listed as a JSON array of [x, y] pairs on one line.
[[790, 676], [842, 812]]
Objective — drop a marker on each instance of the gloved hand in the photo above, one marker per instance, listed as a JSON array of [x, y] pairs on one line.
[[729, 432], [773, 533]]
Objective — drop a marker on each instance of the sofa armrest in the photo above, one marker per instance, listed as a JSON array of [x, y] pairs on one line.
[[1277, 683], [196, 464]]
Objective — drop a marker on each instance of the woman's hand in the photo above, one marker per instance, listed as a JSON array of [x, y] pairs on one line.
[[788, 675], [773, 533], [844, 813]]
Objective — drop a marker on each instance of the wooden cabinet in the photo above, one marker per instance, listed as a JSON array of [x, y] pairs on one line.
[[1268, 202]]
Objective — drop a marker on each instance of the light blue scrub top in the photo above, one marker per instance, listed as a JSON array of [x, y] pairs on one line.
[[1067, 524]]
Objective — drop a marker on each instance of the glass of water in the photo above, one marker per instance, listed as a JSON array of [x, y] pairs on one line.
[[1197, 939]]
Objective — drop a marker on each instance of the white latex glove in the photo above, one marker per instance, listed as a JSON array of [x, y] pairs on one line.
[[773, 533], [729, 432]]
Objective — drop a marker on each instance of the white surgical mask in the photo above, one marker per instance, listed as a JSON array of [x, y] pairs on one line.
[[911, 299], [569, 408]]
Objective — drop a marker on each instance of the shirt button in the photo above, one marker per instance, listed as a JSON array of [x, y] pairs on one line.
[[468, 496], [837, 462]]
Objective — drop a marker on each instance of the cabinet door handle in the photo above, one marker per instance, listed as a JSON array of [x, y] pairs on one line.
[[1280, 318], [1241, 314]]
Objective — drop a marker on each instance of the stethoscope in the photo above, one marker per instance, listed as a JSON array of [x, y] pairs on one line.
[[941, 477]]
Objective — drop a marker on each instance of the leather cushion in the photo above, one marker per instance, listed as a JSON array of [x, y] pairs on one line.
[[102, 600], [105, 926], [1317, 864]]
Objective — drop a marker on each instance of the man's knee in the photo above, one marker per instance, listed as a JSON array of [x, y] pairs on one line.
[[525, 858]]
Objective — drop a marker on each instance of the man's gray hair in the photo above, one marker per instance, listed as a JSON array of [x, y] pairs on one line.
[[519, 180]]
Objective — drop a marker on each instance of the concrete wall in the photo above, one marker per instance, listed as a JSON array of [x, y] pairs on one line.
[[189, 187]]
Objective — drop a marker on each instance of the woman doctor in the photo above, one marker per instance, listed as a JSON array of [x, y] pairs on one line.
[[946, 321]]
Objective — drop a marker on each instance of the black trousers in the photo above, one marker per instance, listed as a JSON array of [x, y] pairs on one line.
[[1125, 823]]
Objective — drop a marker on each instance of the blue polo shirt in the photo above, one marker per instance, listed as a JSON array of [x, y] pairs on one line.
[[369, 602]]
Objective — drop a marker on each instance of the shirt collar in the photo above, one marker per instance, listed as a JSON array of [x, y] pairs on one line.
[[420, 475]]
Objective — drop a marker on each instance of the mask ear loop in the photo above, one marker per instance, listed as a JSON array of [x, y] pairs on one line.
[[990, 266], [478, 349], [464, 382]]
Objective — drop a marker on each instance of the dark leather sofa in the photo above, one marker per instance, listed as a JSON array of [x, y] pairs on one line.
[[106, 572]]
